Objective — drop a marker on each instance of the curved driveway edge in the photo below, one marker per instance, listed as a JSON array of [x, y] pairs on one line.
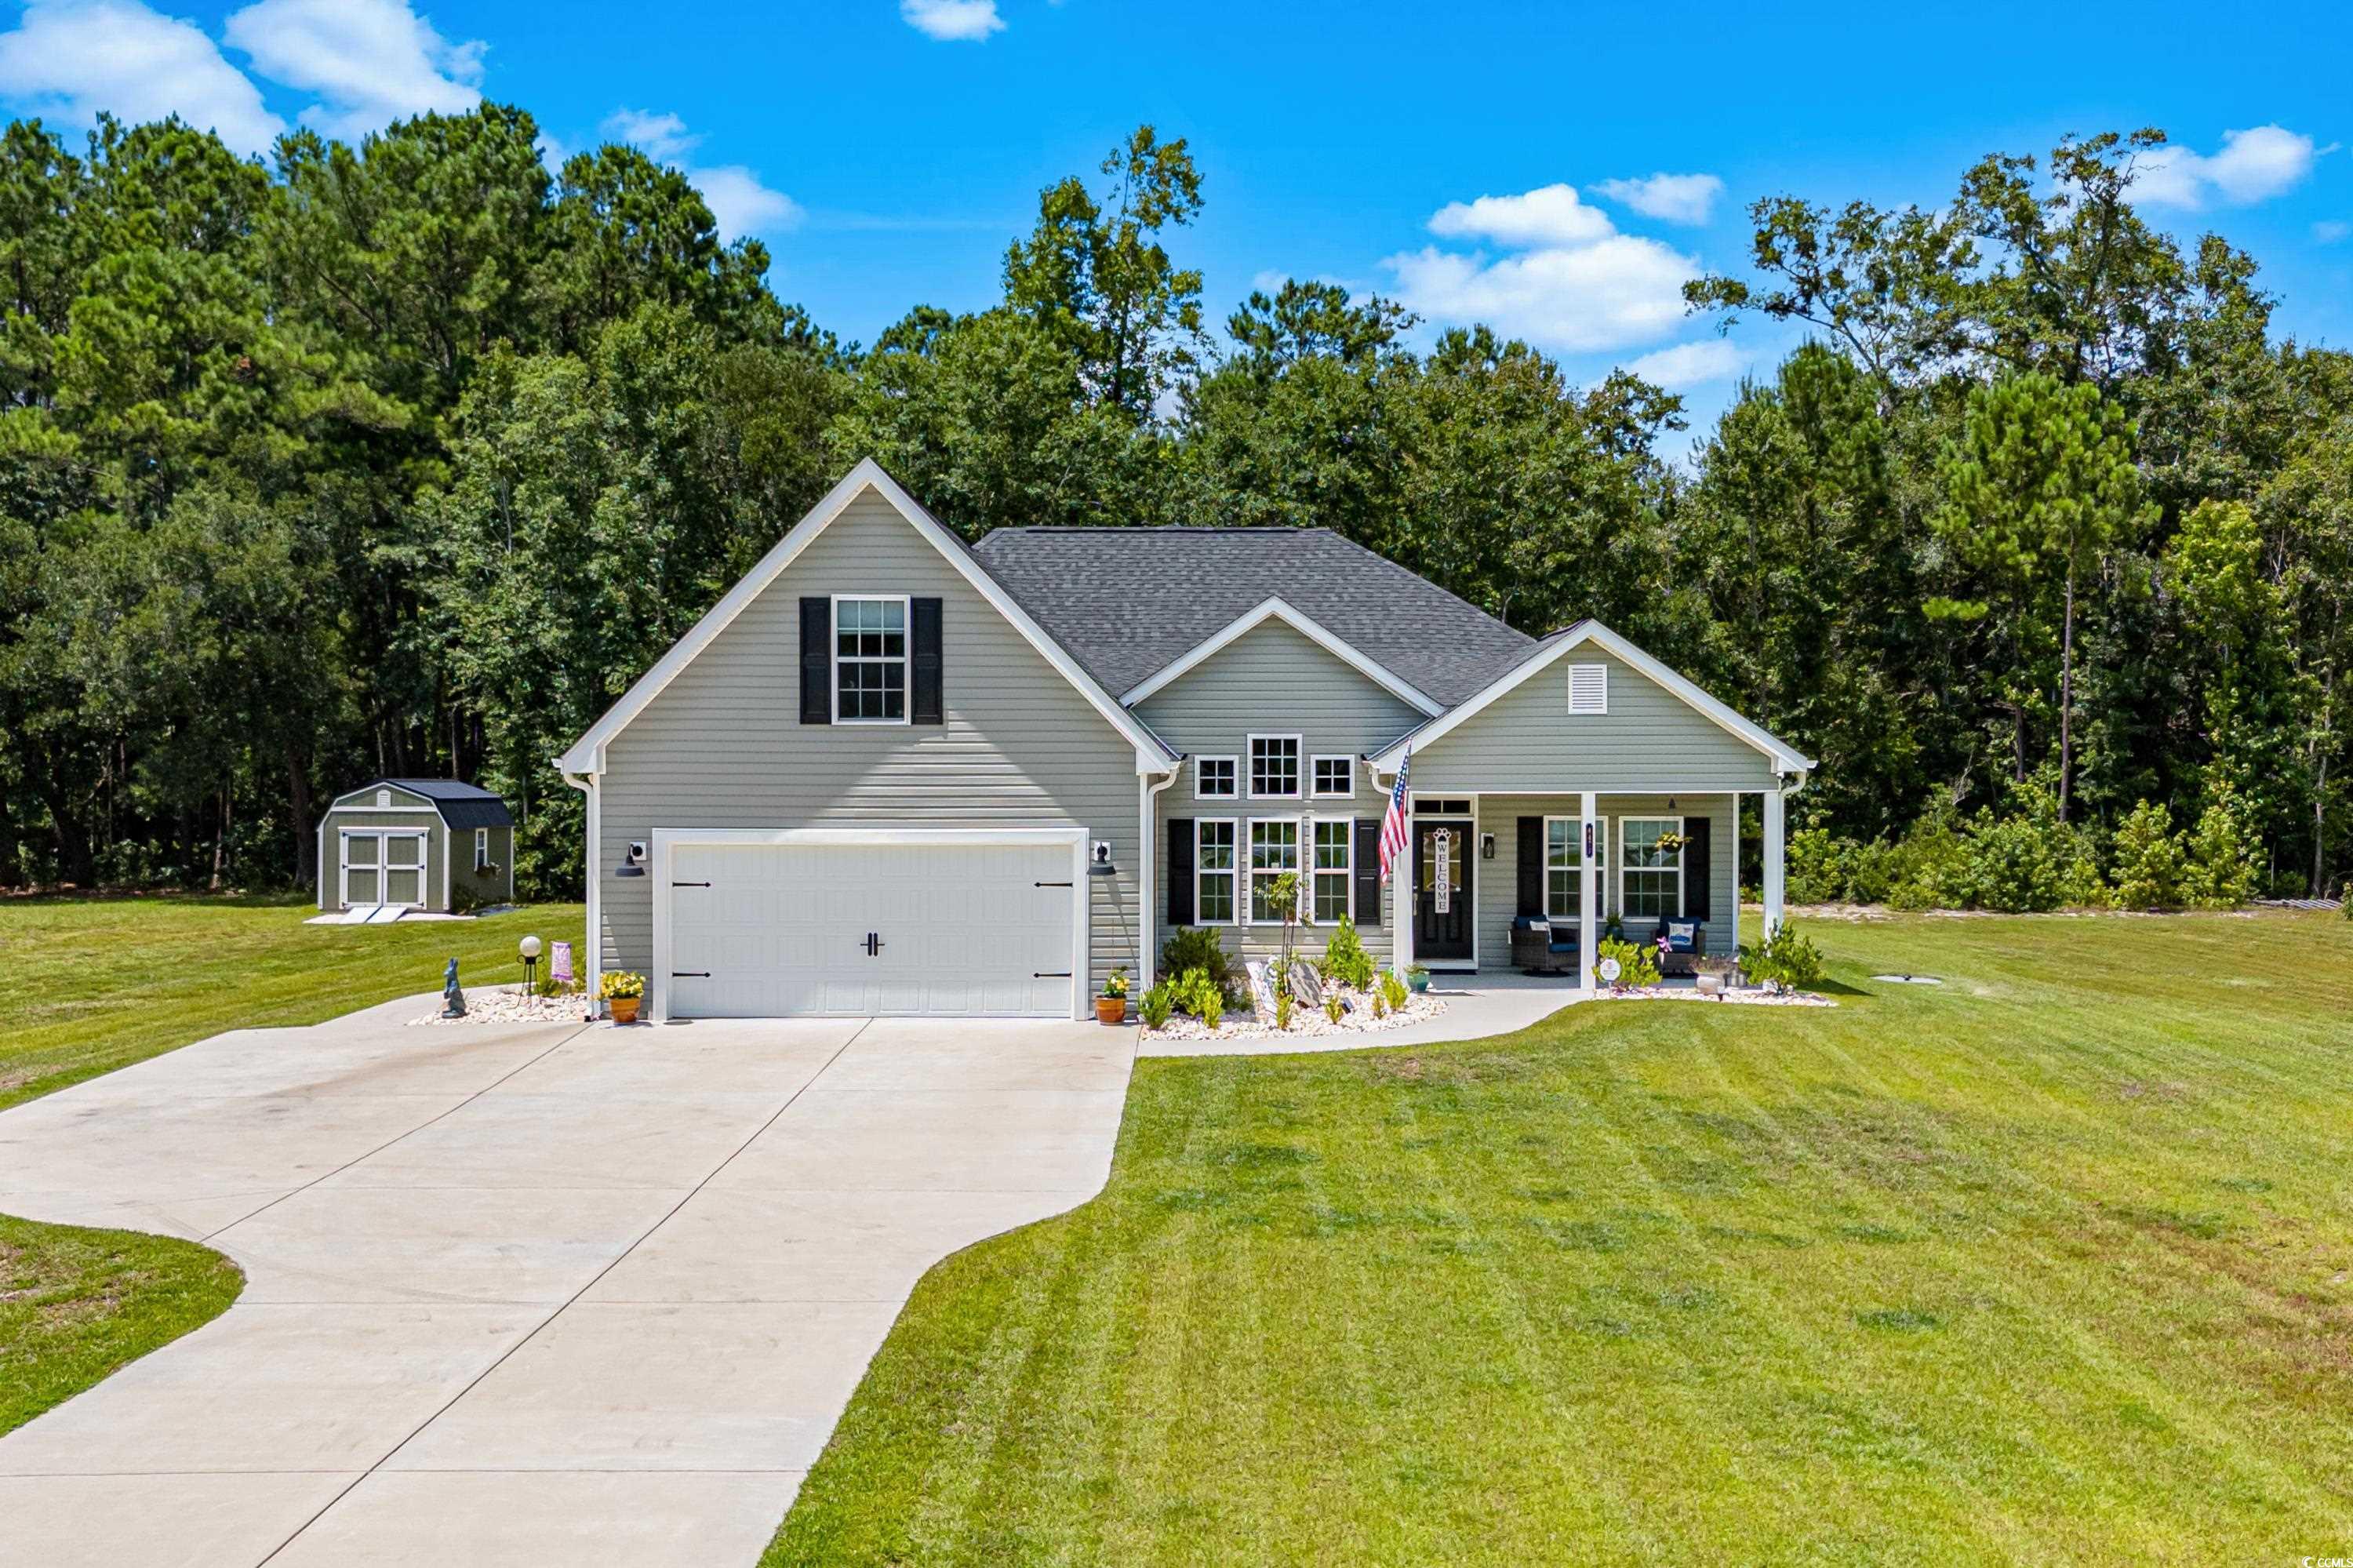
[[524, 1295]]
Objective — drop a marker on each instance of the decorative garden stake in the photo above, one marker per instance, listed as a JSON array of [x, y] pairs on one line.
[[453, 1001]]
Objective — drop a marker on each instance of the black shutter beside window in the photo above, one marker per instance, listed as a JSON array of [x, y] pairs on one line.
[[1368, 872], [817, 661], [1180, 871], [1696, 868], [1532, 865], [924, 705]]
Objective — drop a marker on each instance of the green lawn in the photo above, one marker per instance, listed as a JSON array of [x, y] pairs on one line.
[[99, 984], [2049, 1264]]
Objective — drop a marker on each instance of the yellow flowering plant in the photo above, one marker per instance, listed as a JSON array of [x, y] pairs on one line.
[[620, 982]]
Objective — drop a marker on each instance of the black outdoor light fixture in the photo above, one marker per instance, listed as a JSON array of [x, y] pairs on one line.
[[633, 864], [1100, 864]]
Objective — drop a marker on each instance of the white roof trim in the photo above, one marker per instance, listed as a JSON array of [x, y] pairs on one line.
[[585, 755], [1785, 758], [1308, 627]]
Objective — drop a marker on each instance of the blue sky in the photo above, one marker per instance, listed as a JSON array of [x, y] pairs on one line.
[[1481, 162]]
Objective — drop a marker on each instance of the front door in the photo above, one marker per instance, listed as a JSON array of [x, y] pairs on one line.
[[1442, 853]]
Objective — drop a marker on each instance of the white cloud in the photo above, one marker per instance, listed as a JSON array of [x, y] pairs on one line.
[[369, 61], [2252, 166], [70, 60], [952, 21], [740, 203], [1671, 198], [1574, 283], [1692, 364], [1550, 215], [2329, 230]]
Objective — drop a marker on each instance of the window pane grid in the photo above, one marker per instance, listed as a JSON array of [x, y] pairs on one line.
[[1651, 871], [1335, 776], [1274, 767], [1332, 842], [870, 646], [1274, 849], [1213, 776], [1214, 867]]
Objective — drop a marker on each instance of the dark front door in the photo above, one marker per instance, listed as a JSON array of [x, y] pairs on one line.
[[1442, 847]]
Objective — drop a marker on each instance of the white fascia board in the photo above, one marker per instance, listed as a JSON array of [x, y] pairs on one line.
[[1308, 627], [585, 755], [1785, 758]]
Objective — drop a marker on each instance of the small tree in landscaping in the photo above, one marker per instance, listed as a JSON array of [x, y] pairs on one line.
[[2148, 860]]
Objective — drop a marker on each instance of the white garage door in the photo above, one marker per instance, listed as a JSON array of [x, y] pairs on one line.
[[774, 930]]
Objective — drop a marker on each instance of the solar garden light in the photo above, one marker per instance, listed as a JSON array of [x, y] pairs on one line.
[[530, 948]]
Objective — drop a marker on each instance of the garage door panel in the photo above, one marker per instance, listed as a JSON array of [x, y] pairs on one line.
[[965, 929]]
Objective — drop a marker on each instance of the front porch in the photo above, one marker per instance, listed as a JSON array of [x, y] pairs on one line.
[[1584, 862]]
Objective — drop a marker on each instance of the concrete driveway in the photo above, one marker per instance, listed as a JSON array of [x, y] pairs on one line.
[[524, 1295]]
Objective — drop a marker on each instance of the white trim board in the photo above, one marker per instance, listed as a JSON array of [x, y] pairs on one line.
[[663, 840], [1306, 626], [585, 754], [1785, 758]]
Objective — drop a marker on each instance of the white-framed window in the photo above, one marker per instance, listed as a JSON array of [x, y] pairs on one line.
[[1650, 867], [482, 848], [1213, 779], [1273, 850], [1334, 868], [1213, 871], [1588, 688], [870, 659], [1564, 867], [1335, 776], [1274, 767]]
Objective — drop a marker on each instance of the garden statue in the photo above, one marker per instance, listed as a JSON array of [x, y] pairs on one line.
[[453, 1001]]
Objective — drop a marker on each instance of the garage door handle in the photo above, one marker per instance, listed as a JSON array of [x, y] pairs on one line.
[[690, 974], [690, 885], [1049, 974], [1049, 884]]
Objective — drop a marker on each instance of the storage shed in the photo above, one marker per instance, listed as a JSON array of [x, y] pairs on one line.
[[433, 844]]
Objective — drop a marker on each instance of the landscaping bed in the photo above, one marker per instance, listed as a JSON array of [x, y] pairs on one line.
[[1308, 1021]]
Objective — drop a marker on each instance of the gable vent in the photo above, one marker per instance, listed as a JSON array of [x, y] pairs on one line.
[[1588, 688]]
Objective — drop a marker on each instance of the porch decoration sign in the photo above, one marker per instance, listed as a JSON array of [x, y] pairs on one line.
[[559, 964], [1442, 852]]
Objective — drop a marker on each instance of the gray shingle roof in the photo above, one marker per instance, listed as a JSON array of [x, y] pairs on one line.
[[1128, 601]]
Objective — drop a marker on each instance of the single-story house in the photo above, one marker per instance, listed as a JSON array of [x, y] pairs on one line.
[[433, 844], [894, 772]]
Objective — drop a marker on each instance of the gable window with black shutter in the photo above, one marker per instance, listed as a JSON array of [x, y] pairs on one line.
[[870, 659]]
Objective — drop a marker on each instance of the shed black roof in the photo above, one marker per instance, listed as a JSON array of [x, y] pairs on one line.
[[461, 805]]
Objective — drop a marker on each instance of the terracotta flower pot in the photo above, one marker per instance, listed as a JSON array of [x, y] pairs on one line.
[[1111, 1010], [624, 1009]]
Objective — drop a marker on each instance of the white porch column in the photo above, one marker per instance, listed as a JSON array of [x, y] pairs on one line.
[[1735, 873], [1772, 861], [1588, 885]]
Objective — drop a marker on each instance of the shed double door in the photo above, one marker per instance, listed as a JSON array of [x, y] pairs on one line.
[[386, 867]]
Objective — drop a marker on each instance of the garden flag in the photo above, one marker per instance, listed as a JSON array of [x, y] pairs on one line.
[[1394, 832]]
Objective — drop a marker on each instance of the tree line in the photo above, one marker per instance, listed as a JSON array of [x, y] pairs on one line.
[[407, 458]]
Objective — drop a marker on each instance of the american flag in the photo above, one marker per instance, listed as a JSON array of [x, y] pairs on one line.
[[1395, 834]]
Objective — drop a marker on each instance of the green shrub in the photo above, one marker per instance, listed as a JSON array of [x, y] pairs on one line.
[[1637, 965], [1332, 1008], [1871, 872], [1196, 995], [1156, 1005], [1816, 865], [1198, 947], [1393, 990], [1283, 1005], [2147, 860], [2220, 868], [1928, 868], [1783, 961], [1345, 959]]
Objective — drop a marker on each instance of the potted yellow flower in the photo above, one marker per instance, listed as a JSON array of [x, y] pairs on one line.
[[622, 991], [1111, 1007]]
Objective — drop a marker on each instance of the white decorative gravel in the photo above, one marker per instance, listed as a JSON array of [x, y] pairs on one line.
[[1305, 1021], [510, 1004], [1750, 998]]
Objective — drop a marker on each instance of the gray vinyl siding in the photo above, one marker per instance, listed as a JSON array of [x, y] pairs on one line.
[[1526, 741], [1273, 680], [1498, 888], [722, 747], [437, 845]]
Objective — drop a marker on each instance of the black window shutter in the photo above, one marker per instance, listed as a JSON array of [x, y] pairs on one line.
[[1532, 865], [1180, 871], [924, 705], [817, 661], [1368, 872], [1696, 869]]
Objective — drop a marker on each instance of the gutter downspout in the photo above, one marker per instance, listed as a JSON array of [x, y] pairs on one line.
[[1147, 884], [592, 972]]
